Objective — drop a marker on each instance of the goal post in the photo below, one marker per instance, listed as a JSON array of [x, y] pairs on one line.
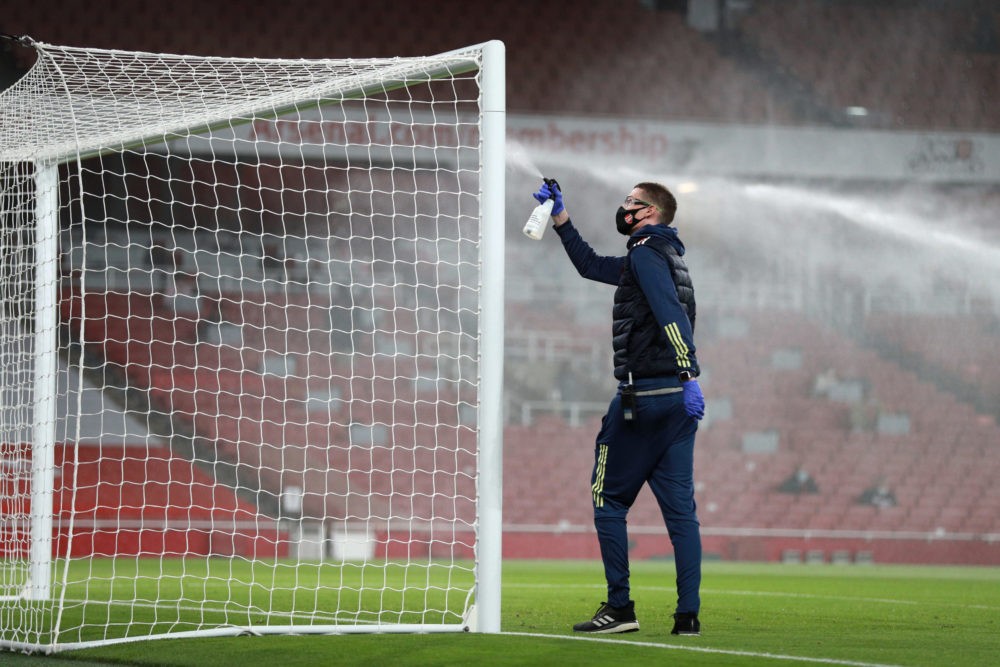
[[44, 392], [492, 329], [252, 336]]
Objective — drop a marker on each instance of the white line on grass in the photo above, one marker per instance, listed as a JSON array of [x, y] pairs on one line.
[[702, 649], [848, 598], [777, 594], [807, 596]]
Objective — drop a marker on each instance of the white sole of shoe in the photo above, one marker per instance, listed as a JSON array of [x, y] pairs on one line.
[[623, 627]]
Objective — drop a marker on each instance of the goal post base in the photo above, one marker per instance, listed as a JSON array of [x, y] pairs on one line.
[[248, 631]]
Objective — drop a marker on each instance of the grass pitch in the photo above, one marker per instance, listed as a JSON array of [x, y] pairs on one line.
[[752, 614]]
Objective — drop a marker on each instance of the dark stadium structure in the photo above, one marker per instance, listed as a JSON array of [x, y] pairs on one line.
[[849, 314]]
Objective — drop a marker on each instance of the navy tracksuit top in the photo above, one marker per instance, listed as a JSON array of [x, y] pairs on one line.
[[654, 306]]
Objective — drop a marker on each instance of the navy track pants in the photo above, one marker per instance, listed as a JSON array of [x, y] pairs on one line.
[[657, 448]]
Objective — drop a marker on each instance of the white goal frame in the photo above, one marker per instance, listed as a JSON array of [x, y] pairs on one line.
[[54, 140]]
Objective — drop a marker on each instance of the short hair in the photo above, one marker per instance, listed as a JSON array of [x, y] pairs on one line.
[[662, 198]]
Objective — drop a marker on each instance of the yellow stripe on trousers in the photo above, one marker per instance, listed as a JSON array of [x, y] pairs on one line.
[[598, 487]]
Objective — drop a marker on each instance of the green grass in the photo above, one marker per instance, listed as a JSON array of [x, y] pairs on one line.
[[752, 614]]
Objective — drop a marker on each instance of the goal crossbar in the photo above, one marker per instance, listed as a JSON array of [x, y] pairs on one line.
[[49, 128]]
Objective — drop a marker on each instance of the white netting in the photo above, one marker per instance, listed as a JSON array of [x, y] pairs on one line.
[[16, 347], [268, 383]]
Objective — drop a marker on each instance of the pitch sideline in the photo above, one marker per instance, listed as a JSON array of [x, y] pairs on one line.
[[776, 594], [702, 649]]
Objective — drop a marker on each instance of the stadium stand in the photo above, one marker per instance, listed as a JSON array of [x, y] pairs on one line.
[[959, 351], [931, 431], [261, 421], [941, 449], [838, 49], [773, 63], [938, 467], [141, 500]]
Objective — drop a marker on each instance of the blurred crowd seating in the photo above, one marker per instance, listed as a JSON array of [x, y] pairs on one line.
[[937, 454], [136, 499], [768, 416], [911, 65], [959, 350], [355, 433]]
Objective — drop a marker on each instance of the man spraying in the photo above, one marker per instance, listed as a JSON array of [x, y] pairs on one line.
[[648, 433]]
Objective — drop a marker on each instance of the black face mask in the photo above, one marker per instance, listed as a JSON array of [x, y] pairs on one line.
[[625, 220]]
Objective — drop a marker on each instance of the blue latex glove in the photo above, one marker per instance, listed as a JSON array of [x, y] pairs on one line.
[[550, 190], [694, 400]]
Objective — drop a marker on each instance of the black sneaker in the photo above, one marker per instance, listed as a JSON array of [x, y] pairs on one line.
[[686, 624], [610, 619]]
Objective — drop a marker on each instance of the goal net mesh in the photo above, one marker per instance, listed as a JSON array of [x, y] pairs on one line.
[[260, 407]]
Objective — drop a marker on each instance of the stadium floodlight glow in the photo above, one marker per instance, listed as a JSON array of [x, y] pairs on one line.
[[251, 346]]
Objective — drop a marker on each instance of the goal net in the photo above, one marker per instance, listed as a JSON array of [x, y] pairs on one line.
[[251, 343]]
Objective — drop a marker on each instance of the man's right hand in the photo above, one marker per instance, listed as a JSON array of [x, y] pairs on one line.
[[550, 190]]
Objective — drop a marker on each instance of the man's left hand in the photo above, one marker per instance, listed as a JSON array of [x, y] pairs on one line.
[[694, 400]]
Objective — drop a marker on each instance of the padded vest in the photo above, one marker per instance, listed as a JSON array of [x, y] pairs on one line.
[[640, 344]]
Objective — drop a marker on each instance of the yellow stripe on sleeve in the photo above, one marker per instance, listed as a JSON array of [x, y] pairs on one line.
[[680, 347]]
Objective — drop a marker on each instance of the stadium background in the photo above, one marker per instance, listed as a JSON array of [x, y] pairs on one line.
[[838, 170]]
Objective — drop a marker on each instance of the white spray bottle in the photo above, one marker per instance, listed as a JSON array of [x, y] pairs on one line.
[[539, 219]]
